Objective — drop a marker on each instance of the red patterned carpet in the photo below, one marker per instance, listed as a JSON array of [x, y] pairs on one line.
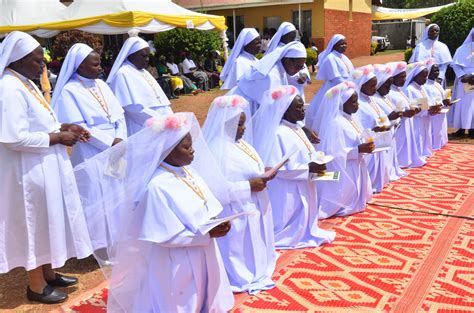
[[412, 250]]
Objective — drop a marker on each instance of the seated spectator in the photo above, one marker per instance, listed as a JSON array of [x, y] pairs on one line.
[[163, 80], [176, 83], [189, 86], [210, 66], [191, 70]]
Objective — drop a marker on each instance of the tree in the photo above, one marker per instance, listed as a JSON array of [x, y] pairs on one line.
[[66, 40], [455, 23], [408, 4], [198, 42]]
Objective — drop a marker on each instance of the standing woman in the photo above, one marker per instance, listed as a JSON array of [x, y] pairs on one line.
[[269, 73], [41, 217], [81, 98], [414, 89], [431, 47], [285, 34], [293, 193], [462, 116], [341, 138], [249, 265], [137, 91], [408, 154], [246, 47]]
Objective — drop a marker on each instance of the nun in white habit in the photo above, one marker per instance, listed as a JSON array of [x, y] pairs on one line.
[[163, 260], [334, 68], [341, 137], [373, 118], [394, 113], [431, 47], [293, 193], [249, 265], [407, 149], [414, 89], [462, 116], [437, 96], [81, 98], [285, 34], [137, 91], [269, 73], [241, 58], [41, 217]]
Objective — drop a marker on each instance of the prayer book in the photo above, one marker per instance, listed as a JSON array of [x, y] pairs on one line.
[[321, 158], [420, 103], [205, 228], [328, 176], [279, 165]]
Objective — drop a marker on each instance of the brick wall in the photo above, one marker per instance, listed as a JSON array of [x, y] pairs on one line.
[[358, 31]]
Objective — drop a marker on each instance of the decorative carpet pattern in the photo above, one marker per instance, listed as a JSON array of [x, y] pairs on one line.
[[411, 250]]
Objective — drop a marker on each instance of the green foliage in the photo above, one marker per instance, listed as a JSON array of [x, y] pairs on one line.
[[400, 4], [259, 55], [408, 53], [373, 48], [177, 40], [455, 23], [66, 40], [312, 57]]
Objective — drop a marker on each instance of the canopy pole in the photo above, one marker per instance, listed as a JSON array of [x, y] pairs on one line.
[[234, 25], [224, 38], [299, 16]]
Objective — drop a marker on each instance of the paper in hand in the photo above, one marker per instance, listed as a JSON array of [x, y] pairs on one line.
[[205, 228], [279, 165]]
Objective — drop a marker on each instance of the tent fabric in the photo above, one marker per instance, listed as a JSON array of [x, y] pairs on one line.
[[111, 17], [381, 13]]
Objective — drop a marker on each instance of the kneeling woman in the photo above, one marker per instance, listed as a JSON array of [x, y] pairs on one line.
[[163, 259], [341, 137], [293, 194], [248, 250]]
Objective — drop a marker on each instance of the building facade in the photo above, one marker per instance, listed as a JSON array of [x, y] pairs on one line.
[[320, 19]]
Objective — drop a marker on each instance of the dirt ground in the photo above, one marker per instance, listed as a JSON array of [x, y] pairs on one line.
[[13, 284]]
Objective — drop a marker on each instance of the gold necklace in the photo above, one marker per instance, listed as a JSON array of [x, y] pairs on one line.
[[150, 83], [194, 187], [304, 139], [30, 86], [354, 124], [345, 64], [440, 88], [242, 146], [377, 110], [100, 99], [389, 102], [399, 89]]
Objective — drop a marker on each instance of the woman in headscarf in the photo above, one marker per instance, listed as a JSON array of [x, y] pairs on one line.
[[285, 34], [342, 138], [41, 217], [462, 116], [293, 193], [334, 68], [384, 82], [373, 119], [250, 265], [241, 58], [408, 154], [81, 98], [165, 258], [139, 93], [430, 47], [269, 73], [416, 92], [437, 96]]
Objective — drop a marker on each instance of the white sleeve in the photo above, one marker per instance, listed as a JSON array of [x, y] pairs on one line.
[[240, 191], [187, 239], [121, 130]]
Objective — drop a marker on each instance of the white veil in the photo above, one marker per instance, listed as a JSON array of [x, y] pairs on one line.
[[115, 182], [268, 117]]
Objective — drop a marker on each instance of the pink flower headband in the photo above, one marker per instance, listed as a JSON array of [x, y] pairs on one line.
[[283, 91], [334, 91], [362, 71], [230, 101], [171, 122], [429, 62]]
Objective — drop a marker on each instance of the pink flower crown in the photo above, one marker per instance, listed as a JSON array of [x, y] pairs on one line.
[[230, 101], [401, 66], [283, 91], [414, 65], [173, 121], [362, 71], [430, 61], [382, 68], [334, 91]]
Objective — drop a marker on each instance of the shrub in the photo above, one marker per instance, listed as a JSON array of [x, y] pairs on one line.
[[66, 40], [312, 57], [408, 53], [373, 48], [455, 23], [198, 42]]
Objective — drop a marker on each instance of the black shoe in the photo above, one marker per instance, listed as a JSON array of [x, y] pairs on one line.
[[49, 295], [458, 134], [471, 133], [62, 281]]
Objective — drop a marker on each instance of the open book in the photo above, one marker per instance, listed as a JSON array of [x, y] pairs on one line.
[[328, 176], [205, 228], [279, 165]]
